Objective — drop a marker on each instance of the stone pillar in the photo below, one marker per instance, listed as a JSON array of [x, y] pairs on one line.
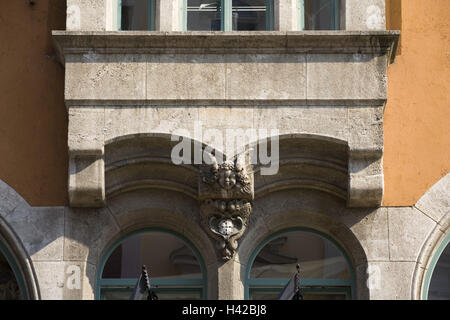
[[226, 195], [86, 15], [168, 16], [286, 15], [365, 15]]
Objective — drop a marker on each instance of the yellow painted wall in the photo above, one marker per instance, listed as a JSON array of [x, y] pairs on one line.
[[417, 115]]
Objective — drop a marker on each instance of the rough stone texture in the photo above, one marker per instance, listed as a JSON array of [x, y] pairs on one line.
[[365, 15], [273, 77], [87, 231], [41, 231], [286, 15], [167, 15], [86, 181], [86, 15], [436, 201], [408, 230], [347, 76], [197, 77], [65, 280], [230, 281], [388, 280], [371, 228], [113, 77]]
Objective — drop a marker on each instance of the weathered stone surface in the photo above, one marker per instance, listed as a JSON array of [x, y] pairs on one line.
[[87, 233], [346, 76], [370, 226], [103, 77], [408, 231], [269, 76], [86, 129], [436, 201], [365, 15], [65, 280], [387, 280], [41, 231], [86, 181], [9, 199], [230, 285], [86, 15], [197, 77], [286, 15]]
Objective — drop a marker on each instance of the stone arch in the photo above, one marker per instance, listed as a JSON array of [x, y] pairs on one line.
[[311, 209], [25, 274], [144, 189], [435, 204]]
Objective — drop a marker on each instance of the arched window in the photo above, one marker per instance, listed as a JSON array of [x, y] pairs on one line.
[[319, 14], [136, 14], [175, 268], [437, 278], [227, 15], [325, 271], [11, 282]]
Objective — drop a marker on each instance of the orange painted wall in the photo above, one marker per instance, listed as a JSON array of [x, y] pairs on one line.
[[417, 116], [33, 117]]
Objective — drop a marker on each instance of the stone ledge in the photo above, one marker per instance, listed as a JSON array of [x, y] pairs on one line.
[[358, 42]]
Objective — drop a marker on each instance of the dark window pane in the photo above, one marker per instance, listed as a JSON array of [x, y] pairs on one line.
[[135, 15], [318, 258], [440, 280], [9, 289], [321, 14], [249, 15], [256, 294], [203, 15], [164, 255]]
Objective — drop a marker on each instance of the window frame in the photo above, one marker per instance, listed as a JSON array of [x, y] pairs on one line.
[[226, 23], [168, 285], [336, 18], [345, 286], [150, 15], [432, 266]]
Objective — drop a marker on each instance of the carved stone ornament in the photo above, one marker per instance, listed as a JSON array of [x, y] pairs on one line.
[[226, 180], [226, 192], [226, 221]]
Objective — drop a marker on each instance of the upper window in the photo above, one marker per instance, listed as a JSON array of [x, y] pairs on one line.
[[227, 15], [319, 14], [324, 270], [175, 269], [136, 14]]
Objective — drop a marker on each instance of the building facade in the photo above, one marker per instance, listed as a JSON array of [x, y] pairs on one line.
[[221, 143]]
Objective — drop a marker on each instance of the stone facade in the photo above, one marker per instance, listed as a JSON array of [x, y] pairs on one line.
[[128, 93]]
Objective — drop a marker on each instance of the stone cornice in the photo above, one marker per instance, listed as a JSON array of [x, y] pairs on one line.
[[375, 42]]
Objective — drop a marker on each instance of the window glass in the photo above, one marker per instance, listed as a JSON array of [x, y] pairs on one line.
[[440, 280], [134, 15], [321, 14], [324, 271], [9, 288], [173, 268], [204, 15], [250, 15], [318, 258]]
